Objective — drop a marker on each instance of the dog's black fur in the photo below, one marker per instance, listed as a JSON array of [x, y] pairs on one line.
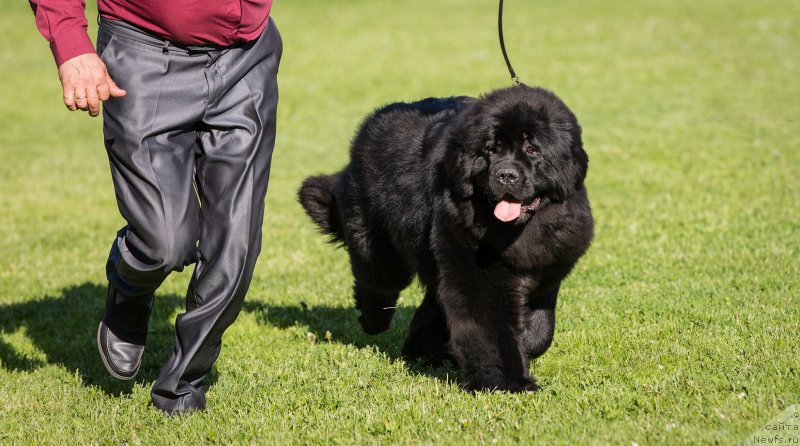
[[418, 198]]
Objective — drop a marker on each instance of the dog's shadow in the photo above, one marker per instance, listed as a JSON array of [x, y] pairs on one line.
[[62, 330], [340, 324]]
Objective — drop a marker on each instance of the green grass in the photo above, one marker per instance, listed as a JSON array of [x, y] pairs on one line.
[[680, 326]]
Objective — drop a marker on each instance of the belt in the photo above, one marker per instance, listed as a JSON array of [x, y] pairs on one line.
[[140, 35]]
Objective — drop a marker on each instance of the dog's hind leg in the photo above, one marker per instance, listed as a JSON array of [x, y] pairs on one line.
[[377, 308], [379, 276], [376, 289]]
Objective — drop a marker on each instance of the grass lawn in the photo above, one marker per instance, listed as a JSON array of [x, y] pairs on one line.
[[680, 326]]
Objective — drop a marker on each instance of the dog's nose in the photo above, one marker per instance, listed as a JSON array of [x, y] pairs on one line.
[[507, 176]]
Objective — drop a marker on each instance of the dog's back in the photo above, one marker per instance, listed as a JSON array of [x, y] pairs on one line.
[[386, 187]]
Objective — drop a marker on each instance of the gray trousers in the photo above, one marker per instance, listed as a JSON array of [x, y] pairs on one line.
[[190, 149]]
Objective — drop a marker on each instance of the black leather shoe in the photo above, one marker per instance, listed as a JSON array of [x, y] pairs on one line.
[[122, 333]]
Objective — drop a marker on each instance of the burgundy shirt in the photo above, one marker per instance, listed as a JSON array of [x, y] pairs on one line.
[[187, 22]]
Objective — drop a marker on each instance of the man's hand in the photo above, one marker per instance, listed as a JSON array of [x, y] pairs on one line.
[[86, 82]]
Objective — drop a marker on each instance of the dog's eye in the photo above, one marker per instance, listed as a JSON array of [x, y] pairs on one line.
[[531, 150], [493, 147]]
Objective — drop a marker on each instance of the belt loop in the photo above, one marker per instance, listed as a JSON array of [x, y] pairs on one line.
[[165, 50]]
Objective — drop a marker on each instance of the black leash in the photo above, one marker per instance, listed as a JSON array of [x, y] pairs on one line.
[[503, 46]]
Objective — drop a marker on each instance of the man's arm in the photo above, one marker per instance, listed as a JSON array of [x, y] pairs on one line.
[[83, 75]]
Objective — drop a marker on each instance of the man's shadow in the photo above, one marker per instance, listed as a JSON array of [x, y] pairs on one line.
[[64, 327], [342, 324]]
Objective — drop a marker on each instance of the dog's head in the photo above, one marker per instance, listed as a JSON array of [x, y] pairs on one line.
[[519, 148]]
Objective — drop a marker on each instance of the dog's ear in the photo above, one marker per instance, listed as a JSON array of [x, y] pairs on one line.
[[579, 160], [468, 138], [574, 162], [458, 168]]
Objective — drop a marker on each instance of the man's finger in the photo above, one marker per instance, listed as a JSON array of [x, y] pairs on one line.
[[81, 99], [103, 91], [93, 102], [69, 98], [114, 90]]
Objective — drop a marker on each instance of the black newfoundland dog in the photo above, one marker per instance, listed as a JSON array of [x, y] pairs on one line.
[[484, 200]]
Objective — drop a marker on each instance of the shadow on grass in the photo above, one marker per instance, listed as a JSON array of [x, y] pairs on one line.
[[64, 329], [343, 325]]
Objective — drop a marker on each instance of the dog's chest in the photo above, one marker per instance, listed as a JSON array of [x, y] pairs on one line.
[[541, 246]]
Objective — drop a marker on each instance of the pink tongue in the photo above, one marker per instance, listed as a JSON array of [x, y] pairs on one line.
[[506, 211]]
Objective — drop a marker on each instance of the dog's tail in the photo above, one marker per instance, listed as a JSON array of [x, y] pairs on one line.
[[317, 198]]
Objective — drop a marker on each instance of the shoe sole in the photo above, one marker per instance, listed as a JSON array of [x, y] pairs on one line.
[[105, 361]]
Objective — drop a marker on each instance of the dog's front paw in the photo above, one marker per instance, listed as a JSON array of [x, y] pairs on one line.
[[527, 384], [494, 382], [484, 379]]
